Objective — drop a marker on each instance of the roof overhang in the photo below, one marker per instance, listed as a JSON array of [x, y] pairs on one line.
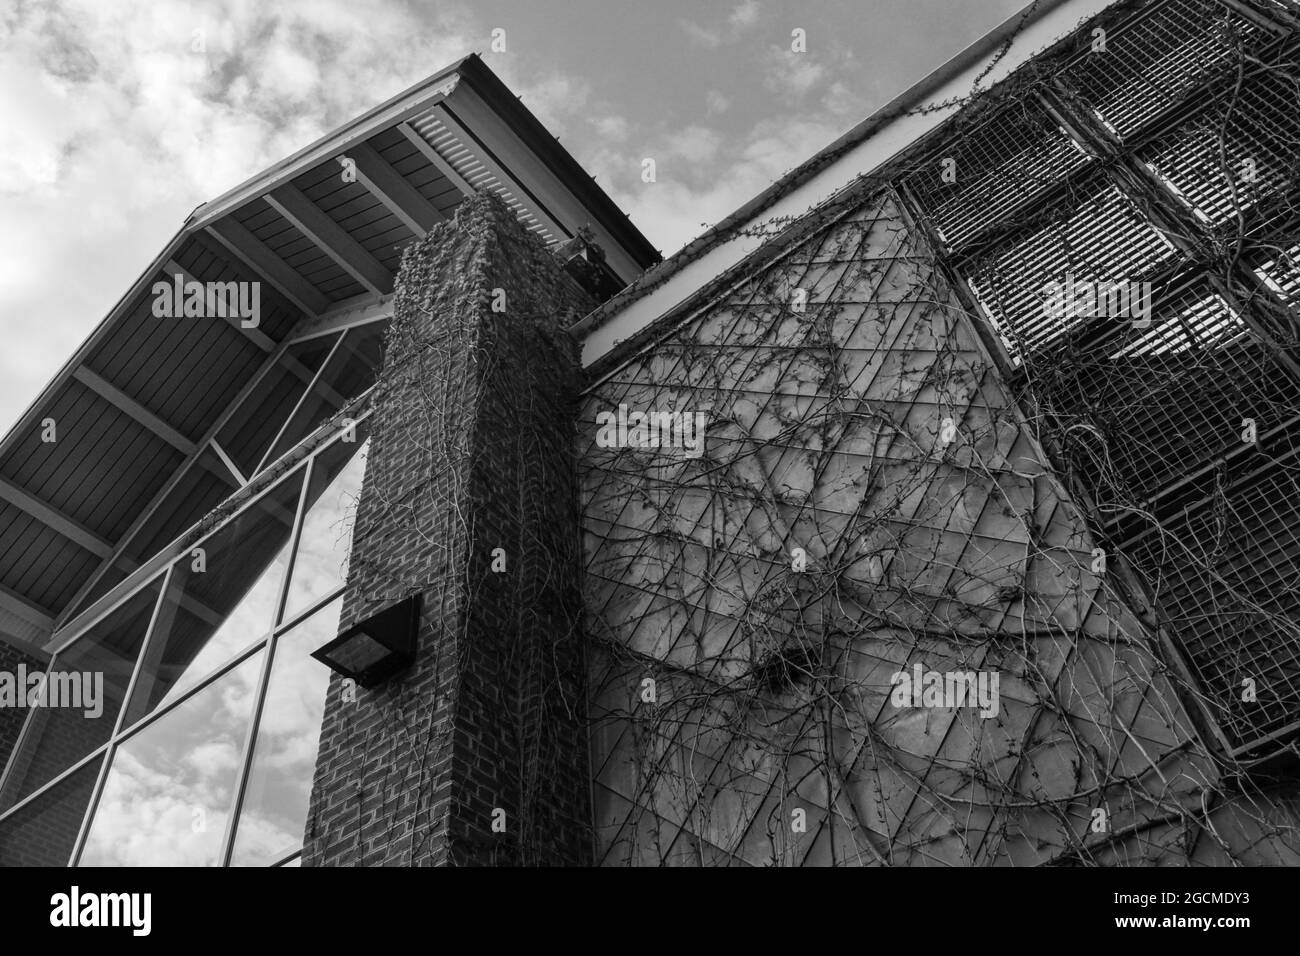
[[139, 405]]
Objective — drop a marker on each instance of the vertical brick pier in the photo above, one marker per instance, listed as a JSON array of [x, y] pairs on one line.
[[471, 451]]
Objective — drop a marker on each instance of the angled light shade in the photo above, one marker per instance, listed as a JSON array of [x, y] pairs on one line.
[[374, 649]]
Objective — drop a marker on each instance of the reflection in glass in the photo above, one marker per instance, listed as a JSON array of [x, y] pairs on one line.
[[284, 756], [257, 421], [168, 793], [219, 602], [349, 372], [321, 565], [200, 489], [44, 832], [57, 737]]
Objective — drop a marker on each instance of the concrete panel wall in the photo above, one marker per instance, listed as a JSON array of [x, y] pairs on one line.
[[868, 499]]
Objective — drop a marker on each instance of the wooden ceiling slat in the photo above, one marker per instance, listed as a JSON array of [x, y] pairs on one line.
[[435, 159], [75, 412], [331, 237], [126, 403], [114, 456], [254, 335], [397, 194], [55, 519], [240, 241]]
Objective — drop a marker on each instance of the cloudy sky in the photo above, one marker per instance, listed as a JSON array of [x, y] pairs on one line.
[[112, 128]]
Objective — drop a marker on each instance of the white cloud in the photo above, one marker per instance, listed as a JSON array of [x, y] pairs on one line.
[[695, 144], [745, 14], [791, 75], [702, 36], [115, 130], [613, 128], [677, 208], [556, 98]]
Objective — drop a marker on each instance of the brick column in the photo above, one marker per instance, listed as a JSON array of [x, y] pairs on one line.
[[471, 451], [12, 718]]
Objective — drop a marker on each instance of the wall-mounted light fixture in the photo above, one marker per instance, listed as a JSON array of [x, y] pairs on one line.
[[374, 649]]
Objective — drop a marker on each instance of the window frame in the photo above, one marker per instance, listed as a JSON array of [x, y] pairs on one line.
[[158, 571]]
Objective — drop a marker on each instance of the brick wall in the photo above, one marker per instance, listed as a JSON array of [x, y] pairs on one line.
[[39, 836], [11, 719], [471, 452]]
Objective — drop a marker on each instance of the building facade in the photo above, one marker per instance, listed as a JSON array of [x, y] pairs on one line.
[[935, 508]]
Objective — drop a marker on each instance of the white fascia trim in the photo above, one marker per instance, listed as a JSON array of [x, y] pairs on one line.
[[870, 154]]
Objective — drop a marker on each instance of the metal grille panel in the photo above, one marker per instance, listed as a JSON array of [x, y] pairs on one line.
[[1241, 153], [1148, 407], [1225, 576], [1157, 62], [1001, 166], [1093, 235]]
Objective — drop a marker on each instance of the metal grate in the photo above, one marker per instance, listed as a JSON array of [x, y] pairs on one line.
[[1237, 155], [1143, 408], [1000, 166], [1282, 274], [1154, 64], [1150, 420], [1226, 576], [1093, 234]]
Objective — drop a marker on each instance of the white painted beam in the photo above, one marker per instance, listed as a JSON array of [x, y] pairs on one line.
[[115, 396], [256, 336], [259, 257], [55, 519], [393, 190], [434, 157], [331, 238]]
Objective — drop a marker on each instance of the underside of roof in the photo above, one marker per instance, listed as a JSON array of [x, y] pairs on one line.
[[156, 420]]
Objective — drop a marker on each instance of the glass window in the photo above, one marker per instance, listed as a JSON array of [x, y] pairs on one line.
[[205, 485], [170, 786], [168, 793], [44, 832], [250, 431], [218, 601], [321, 564], [101, 662], [349, 372], [284, 757]]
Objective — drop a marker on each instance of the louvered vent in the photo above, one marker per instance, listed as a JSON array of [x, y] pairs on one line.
[[1154, 64], [1003, 165], [1092, 234], [1281, 273], [1241, 154], [473, 171]]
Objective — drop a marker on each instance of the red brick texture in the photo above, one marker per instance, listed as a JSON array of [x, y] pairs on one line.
[[471, 451]]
